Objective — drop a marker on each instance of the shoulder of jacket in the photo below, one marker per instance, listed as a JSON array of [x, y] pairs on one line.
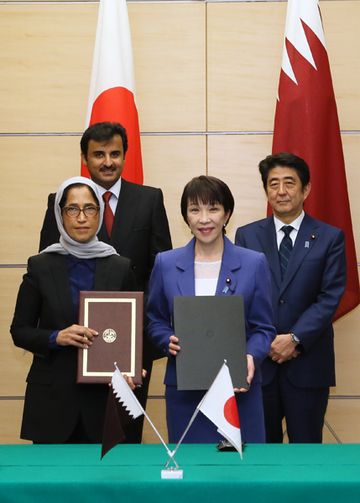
[[141, 189]]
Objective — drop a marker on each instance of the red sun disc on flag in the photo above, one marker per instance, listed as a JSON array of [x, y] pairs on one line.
[[231, 412]]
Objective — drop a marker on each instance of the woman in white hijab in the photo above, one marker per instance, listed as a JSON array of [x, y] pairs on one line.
[[56, 408]]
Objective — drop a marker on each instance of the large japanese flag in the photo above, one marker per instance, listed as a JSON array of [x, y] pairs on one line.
[[306, 124], [219, 405], [112, 87]]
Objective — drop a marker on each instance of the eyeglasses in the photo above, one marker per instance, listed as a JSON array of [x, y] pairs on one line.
[[74, 211]]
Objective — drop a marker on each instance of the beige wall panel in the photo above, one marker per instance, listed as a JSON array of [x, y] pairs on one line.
[[244, 58], [37, 165], [347, 346], [156, 410], [10, 422], [234, 159], [46, 54], [342, 31], [14, 362], [169, 55], [347, 351], [351, 146], [169, 163], [157, 387], [343, 417]]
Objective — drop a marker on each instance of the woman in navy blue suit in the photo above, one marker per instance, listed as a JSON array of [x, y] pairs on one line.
[[204, 267]]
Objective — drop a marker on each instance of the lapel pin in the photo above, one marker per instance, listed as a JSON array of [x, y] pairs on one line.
[[307, 244], [226, 287], [313, 236]]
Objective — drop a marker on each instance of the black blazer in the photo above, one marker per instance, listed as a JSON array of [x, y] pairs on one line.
[[140, 229], [53, 399]]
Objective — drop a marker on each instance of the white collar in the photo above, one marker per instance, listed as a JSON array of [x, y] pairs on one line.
[[295, 223]]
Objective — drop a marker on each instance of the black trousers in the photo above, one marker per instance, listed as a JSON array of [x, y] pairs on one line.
[[303, 409]]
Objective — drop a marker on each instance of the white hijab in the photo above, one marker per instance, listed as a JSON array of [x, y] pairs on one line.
[[68, 246]]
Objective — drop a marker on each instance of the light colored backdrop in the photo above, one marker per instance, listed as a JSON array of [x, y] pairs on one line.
[[206, 76]]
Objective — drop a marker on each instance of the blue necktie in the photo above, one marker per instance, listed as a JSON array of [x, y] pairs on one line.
[[285, 249]]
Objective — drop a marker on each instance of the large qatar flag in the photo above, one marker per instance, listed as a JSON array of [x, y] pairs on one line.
[[112, 88], [306, 124]]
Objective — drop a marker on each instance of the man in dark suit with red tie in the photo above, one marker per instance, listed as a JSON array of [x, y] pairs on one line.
[[135, 221], [307, 262]]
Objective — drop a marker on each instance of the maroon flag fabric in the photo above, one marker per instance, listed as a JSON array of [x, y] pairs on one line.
[[122, 407], [306, 124], [113, 432]]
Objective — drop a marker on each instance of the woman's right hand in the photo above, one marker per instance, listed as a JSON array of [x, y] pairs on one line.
[[174, 347], [76, 335]]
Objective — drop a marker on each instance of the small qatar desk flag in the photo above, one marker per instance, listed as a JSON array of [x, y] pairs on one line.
[[122, 406], [112, 86], [306, 124]]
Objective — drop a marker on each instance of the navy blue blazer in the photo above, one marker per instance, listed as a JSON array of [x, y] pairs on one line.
[[53, 399], [173, 275], [305, 301]]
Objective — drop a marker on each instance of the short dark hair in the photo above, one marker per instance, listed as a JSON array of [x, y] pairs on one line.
[[103, 131], [284, 159], [72, 186], [208, 190]]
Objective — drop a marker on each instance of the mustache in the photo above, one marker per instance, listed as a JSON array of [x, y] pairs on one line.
[[107, 168]]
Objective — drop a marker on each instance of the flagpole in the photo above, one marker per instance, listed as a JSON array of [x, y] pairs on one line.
[[147, 417], [197, 410], [170, 454], [186, 430]]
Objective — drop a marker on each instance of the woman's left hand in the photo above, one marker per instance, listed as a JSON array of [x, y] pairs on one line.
[[250, 374], [131, 382], [174, 347]]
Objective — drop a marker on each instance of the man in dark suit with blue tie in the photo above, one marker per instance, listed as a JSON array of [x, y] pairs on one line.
[[308, 270], [135, 221]]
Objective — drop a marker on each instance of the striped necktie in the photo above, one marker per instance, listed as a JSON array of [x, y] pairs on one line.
[[285, 249]]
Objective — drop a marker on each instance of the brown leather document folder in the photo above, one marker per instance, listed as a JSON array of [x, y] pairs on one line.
[[211, 329], [118, 318]]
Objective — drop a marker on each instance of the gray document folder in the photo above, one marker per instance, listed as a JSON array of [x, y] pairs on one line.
[[210, 330]]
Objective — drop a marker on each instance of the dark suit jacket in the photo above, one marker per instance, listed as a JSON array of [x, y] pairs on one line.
[[305, 301], [140, 228], [53, 400]]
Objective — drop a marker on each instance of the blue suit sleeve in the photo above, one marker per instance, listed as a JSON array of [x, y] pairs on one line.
[[158, 312], [318, 316], [259, 315]]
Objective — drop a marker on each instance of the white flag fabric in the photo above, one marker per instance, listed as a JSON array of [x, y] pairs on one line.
[[219, 405], [112, 86], [125, 395]]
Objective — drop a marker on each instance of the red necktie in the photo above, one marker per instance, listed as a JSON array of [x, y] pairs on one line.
[[108, 214]]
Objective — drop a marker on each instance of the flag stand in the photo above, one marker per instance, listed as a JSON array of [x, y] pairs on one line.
[[172, 472], [126, 396]]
